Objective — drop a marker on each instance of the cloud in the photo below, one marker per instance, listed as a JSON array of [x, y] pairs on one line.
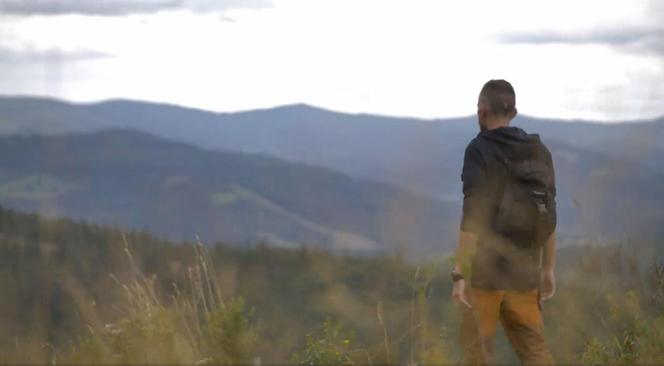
[[641, 39], [10, 55], [205, 6], [655, 10], [119, 7]]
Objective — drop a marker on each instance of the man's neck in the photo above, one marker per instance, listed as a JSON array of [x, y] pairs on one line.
[[498, 124]]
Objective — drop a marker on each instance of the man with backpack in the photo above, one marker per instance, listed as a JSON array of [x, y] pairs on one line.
[[507, 240]]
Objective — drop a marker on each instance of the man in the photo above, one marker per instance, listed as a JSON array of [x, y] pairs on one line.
[[508, 274]]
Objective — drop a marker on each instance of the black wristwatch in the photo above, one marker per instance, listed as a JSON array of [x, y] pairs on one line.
[[456, 276]]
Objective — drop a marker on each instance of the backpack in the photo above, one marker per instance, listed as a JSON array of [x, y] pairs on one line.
[[526, 212]]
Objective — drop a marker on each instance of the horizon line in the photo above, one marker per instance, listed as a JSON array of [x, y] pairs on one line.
[[316, 107]]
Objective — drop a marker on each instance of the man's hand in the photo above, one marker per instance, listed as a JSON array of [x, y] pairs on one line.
[[547, 285], [459, 294], [464, 254]]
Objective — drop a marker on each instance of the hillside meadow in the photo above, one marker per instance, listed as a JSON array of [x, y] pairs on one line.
[[75, 292]]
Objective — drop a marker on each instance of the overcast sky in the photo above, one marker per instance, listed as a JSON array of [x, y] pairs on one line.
[[591, 59]]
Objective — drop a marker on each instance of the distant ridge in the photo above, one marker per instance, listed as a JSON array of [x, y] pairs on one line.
[[297, 107]]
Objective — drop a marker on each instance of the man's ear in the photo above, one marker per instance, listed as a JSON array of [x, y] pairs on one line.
[[482, 111], [481, 114], [515, 113]]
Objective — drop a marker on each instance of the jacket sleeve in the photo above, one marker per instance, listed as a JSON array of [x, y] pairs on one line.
[[475, 190], [552, 186]]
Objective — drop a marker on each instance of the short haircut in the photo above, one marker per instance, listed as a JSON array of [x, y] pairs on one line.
[[499, 95]]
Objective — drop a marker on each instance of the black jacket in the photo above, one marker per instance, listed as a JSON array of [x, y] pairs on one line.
[[498, 264]]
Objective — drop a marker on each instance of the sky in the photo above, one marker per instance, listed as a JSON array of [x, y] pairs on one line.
[[600, 60]]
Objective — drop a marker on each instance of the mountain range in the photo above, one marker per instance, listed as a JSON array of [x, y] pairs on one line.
[[304, 174]]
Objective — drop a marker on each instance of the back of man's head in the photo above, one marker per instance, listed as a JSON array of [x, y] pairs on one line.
[[499, 96]]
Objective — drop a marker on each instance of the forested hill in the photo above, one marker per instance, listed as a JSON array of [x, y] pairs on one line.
[[178, 191]]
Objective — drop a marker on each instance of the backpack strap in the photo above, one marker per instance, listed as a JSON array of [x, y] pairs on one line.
[[490, 152], [494, 150]]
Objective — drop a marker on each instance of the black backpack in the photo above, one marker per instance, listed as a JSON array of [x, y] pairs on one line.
[[526, 212]]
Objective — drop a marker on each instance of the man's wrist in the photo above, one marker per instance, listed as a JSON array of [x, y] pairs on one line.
[[457, 276]]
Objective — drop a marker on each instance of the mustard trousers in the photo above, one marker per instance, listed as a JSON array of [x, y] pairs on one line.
[[521, 317]]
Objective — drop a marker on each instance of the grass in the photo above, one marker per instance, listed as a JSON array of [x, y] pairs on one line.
[[197, 326]]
